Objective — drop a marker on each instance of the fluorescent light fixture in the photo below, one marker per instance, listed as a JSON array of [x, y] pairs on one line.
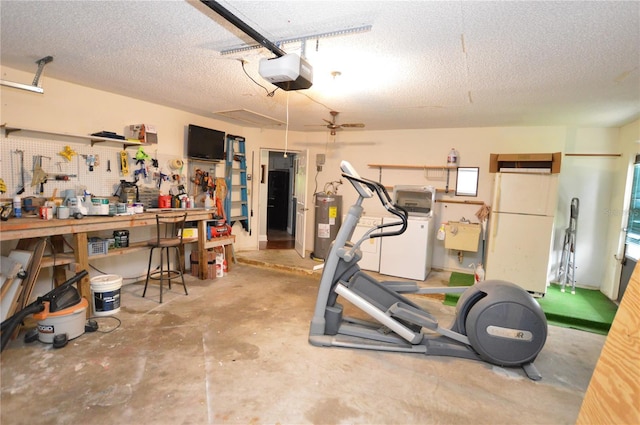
[[21, 86], [34, 87]]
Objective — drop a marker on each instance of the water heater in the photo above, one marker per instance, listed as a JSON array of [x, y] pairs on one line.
[[327, 223]]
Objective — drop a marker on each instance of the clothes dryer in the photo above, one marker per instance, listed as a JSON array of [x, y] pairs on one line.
[[371, 247]]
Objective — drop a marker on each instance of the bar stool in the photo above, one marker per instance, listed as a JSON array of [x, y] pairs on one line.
[[169, 231]]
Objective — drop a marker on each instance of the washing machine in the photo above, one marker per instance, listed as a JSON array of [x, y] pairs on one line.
[[410, 254], [371, 247]]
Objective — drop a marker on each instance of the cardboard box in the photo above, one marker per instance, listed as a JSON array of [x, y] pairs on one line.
[[145, 133], [543, 161], [189, 233], [211, 264]]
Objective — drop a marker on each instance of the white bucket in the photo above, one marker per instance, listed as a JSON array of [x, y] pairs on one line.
[[105, 294]]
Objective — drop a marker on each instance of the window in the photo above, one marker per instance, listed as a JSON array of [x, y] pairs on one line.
[[633, 225]]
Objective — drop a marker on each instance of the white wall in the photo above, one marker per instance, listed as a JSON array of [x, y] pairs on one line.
[[590, 179], [430, 147], [66, 107]]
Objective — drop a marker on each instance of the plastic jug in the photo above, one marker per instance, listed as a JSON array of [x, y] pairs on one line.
[[208, 202], [452, 158], [478, 273]]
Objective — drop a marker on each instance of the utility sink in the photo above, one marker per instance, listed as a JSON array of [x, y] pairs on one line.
[[462, 236]]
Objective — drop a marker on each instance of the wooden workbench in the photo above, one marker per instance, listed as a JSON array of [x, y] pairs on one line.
[[32, 227]]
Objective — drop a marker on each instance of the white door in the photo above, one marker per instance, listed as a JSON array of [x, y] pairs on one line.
[[631, 233], [301, 165]]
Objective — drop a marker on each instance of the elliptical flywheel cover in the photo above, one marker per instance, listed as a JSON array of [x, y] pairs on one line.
[[507, 327]]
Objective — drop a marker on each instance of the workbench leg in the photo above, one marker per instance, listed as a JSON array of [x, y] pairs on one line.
[[81, 243], [203, 261], [59, 273]]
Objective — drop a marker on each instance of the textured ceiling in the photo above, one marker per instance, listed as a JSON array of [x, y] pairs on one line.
[[422, 64]]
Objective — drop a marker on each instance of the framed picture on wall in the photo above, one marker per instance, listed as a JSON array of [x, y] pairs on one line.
[[467, 181]]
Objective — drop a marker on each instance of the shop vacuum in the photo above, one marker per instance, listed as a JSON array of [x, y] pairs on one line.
[[60, 314]]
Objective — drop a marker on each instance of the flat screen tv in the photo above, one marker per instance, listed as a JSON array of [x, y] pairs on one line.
[[205, 143]]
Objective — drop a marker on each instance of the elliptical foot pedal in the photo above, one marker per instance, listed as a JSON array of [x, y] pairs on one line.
[[532, 371]]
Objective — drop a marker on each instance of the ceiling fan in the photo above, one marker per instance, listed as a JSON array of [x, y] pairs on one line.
[[333, 126]]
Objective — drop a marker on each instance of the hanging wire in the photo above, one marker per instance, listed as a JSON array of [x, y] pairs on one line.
[[269, 93], [286, 131]]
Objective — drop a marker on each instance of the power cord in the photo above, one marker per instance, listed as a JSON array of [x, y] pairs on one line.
[[269, 93], [92, 324]]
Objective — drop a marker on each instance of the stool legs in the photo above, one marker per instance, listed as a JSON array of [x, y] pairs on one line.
[[146, 282], [165, 273], [180, 268]]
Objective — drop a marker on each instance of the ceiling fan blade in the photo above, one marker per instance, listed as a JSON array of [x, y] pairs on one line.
[[327, 121], [353, 125]]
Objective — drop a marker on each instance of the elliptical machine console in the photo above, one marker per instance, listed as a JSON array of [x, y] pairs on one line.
[[496, 321]]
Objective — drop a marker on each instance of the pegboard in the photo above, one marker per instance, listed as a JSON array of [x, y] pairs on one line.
[[99, 182], [216, 170]]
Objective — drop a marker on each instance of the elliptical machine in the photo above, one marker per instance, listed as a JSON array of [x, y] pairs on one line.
[[496, 321]]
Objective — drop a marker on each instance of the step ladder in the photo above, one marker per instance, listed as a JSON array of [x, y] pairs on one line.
[[567, 269], [236, 205]]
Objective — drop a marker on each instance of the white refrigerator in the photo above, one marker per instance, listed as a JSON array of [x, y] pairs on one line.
[[520, 239]]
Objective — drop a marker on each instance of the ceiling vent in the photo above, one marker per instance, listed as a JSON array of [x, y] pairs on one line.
[[251, 118]]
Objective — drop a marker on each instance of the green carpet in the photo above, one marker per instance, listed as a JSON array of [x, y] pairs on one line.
[[588, 310]]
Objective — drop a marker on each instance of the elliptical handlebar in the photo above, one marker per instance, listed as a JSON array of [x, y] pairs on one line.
[[385, 199]]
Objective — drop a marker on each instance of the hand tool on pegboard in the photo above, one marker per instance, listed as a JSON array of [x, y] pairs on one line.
[[39, 175], [92, 161], [67, 153], [21, 153], [124, 163], [61, 177]]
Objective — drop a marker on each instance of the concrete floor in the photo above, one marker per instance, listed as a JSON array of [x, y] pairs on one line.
[[235, 350]]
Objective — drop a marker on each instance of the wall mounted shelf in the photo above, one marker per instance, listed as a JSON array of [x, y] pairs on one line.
[[453, 201], [380, 167], [603, 155], [93, 139]]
